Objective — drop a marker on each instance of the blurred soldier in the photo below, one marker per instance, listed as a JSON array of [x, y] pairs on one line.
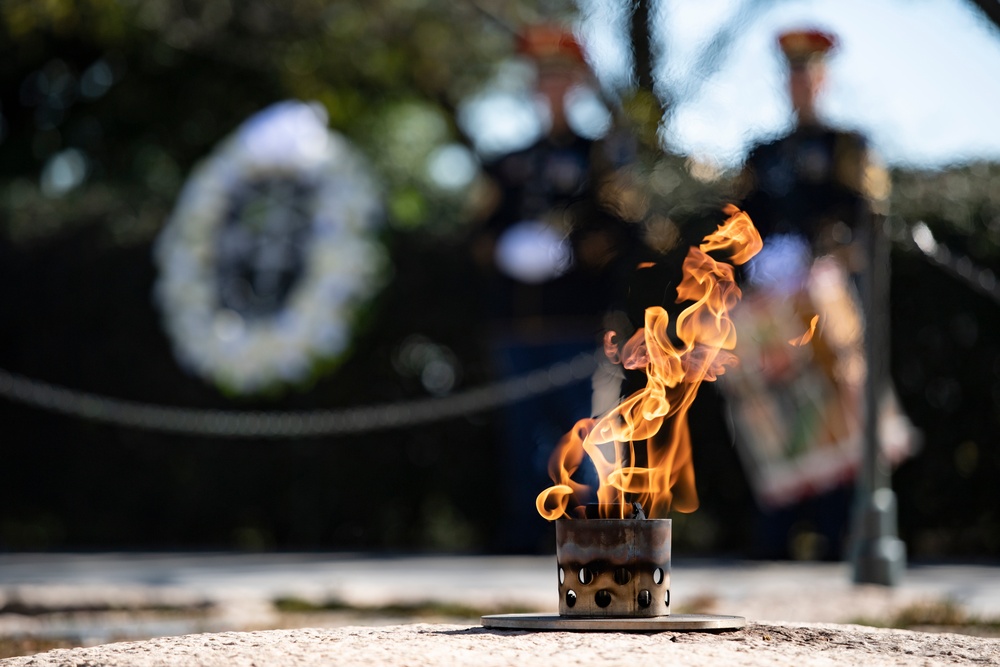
[[553, 258], [817, 183], [815, 195]]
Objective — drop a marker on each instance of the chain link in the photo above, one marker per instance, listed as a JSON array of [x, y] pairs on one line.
[[260, 424], [352, 421], [919, 237]]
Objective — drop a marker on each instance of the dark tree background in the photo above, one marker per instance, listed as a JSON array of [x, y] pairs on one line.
[[134, 94]]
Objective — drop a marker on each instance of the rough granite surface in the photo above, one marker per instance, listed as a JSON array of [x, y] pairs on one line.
[[770, 644]]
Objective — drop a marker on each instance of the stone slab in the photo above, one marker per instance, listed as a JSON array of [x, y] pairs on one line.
[[763, 645]]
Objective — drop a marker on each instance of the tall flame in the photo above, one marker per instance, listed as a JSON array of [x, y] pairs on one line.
[[642, 448]]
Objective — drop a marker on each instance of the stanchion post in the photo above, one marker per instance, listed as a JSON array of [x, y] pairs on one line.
[[876, 553]]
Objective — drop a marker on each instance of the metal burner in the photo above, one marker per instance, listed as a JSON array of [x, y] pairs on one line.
[[614, 575], [613, 567]]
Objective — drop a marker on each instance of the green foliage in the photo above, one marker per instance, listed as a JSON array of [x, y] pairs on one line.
[[961, 203], [142, 90]]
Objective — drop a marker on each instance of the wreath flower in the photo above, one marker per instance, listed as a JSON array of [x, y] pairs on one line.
[[269, 252]]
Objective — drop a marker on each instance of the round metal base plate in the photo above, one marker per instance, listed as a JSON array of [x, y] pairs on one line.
[[674, 622]]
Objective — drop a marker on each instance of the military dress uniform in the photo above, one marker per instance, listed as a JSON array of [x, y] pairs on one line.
[[816, 182], [553, 257], [815, 195]]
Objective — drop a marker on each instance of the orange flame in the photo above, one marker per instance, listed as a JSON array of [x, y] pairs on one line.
[[804, 339], [642, 448]]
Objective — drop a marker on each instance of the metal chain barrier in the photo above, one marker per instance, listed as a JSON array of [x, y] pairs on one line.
[[313, 423], [919, 237], [350, 421]]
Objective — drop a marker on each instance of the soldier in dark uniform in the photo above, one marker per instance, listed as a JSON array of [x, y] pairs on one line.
[[553, 255], [816, 182], [813, 193]]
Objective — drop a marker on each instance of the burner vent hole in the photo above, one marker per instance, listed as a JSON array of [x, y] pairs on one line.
[[645, 598], [602, 598], [622, 576], [586, 575], [658, 576], [570, 598], [562, 576], [666, 598]]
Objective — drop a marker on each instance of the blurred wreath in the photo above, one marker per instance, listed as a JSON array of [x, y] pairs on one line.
[[268, 252]]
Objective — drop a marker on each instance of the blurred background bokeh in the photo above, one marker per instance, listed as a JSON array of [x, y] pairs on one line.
[[106, 107]]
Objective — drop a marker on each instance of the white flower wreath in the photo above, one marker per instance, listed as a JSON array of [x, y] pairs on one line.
[[269, 251]]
